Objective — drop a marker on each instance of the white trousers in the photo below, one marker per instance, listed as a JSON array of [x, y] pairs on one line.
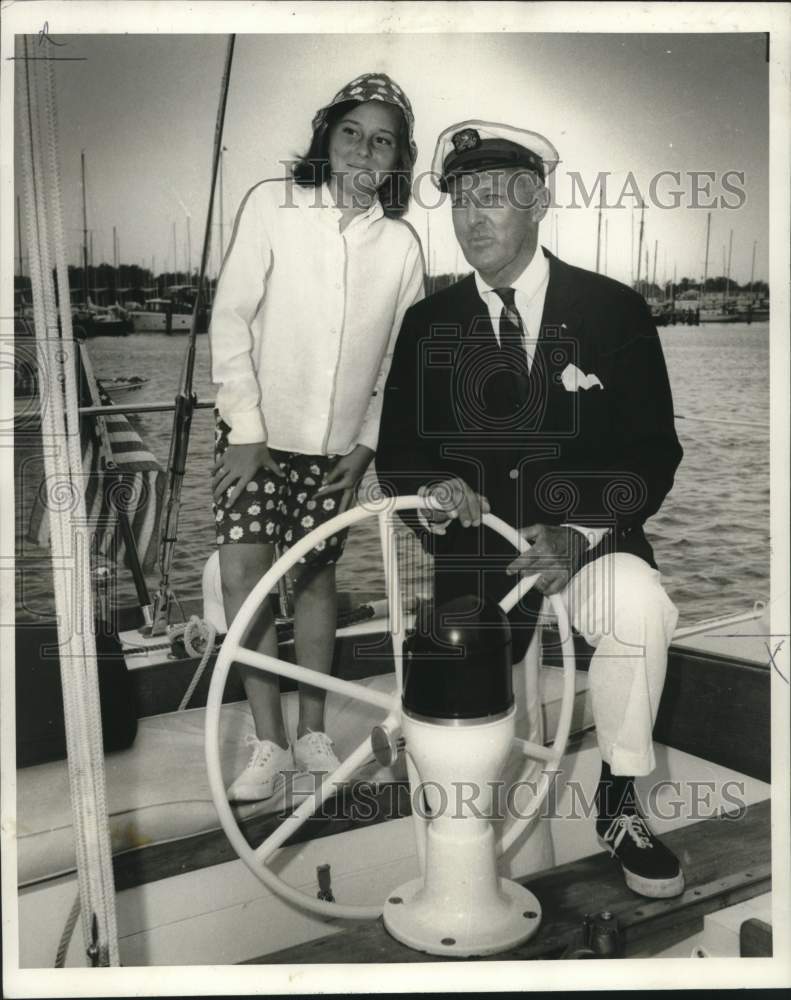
[[617, 603]]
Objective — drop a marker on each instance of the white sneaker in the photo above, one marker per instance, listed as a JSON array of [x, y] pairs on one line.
[[263, 775], [313, 752]]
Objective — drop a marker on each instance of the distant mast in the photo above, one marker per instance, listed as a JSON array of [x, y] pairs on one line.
[[189, 254], [598, 231], [653, 279], [115, 263], [19, 237], [175, 258], [84, 233], [706, 262], [728, 273], [640, 245]]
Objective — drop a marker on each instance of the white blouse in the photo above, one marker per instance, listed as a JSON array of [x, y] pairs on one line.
[[305, 319]]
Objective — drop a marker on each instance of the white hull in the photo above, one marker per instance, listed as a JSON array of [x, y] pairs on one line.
[[152, 322]]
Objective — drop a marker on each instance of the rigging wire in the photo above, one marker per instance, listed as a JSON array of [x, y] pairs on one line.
[[185, 401]]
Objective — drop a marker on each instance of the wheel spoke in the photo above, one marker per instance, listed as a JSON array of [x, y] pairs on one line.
[[536, 750], [252, 658], [307, 808]]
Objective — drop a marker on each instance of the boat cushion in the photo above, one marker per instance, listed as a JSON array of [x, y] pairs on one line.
[[157, 790]]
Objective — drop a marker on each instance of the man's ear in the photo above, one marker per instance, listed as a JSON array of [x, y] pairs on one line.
[[532, 194], [542, 198]]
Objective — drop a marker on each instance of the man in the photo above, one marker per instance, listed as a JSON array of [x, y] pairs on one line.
[[539, 391]]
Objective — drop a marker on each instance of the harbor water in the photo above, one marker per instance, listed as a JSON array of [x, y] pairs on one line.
[[711, 537]]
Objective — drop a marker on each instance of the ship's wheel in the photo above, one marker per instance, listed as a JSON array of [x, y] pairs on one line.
[[536, 755]]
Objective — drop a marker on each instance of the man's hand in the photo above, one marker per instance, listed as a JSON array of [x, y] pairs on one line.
[[454, 498], [554, 555], [345, 474], [236, 467]]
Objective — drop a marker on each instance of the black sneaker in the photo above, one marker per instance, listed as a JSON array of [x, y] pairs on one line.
[[649, 868]]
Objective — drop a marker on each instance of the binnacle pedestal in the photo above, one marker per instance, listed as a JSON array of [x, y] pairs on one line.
[[458, 720]]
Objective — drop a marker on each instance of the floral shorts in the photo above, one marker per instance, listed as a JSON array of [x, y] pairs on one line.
[[275, 510]]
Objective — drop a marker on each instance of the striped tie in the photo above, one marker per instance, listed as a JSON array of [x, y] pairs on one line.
[[511, 334]]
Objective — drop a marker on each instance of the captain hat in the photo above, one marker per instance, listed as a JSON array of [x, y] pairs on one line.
[[467, 147]]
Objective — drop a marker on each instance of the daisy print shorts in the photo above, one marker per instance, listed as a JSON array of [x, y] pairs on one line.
[[280, 510]]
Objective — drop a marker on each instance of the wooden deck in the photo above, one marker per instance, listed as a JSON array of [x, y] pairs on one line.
[[725, 860]]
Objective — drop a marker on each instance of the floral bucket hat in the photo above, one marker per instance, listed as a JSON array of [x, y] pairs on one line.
[[373, 87]]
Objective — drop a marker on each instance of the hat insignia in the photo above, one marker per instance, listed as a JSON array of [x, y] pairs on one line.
[[468, 138]]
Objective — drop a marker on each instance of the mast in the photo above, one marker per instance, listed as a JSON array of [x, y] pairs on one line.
[[175, 258], [728, 273], [606, 243], [631, 258], [189, 254], [653, 279], [706, 263], [598, 231], [724, 269], [186, 400], [19, 237], [84, 233], [640, 244], [752, 272], [115, 263]]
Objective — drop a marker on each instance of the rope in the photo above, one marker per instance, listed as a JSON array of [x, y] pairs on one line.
[[202, 632], [68, 522], [68, 930]]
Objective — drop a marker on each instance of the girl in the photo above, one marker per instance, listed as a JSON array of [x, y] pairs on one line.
[[315, 283]]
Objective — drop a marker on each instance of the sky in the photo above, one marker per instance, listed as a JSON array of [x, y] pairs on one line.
[[143, 108]]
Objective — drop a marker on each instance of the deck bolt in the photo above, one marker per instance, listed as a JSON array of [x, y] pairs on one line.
[[448, 941]]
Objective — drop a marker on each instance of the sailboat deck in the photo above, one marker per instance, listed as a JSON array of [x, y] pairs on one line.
[[726, 860]]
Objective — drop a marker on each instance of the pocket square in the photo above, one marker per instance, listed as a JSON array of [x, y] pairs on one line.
[[573, 379]]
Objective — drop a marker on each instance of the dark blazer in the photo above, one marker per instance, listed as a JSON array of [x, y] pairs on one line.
[[598, 456]]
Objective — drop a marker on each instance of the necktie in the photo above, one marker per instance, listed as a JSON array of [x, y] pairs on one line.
[[512, 341]]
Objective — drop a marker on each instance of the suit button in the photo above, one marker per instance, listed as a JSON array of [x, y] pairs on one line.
[[513, 474]]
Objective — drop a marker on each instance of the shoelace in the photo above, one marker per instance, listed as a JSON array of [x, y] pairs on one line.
[[633, 825], [318, 742], [262, 750]]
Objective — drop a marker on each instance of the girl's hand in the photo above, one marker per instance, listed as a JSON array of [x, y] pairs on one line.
[[346, 474], [237, 466]]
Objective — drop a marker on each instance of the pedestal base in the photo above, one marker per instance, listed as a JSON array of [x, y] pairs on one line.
[[418, 922]]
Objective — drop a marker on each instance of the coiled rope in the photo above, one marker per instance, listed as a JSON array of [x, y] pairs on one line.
[[37, 118]]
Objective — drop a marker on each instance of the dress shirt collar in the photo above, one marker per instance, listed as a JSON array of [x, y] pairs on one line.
[[529, 283]]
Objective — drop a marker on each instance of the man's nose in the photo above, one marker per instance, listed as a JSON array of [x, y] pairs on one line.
[[474, 215]]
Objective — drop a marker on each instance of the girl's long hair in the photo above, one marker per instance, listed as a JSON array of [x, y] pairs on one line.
[[313, 169]]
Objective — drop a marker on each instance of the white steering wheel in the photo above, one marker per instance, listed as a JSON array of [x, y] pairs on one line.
[[232, 651]]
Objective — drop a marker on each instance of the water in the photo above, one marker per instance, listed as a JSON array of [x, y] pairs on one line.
[[711, 537]]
